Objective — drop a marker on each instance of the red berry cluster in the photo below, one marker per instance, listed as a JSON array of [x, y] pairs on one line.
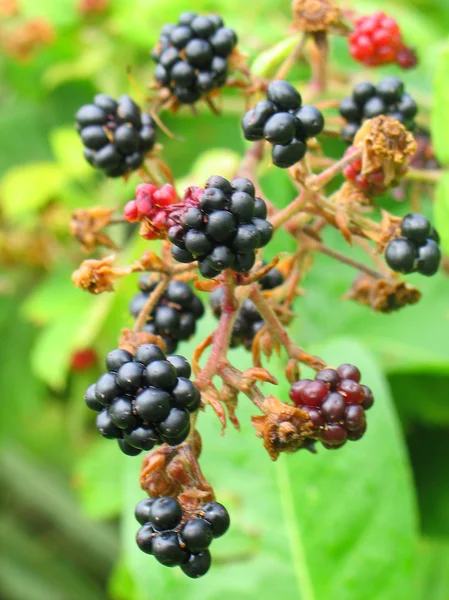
[[371, 184], [151, 204], [377, 40], [336, 403]]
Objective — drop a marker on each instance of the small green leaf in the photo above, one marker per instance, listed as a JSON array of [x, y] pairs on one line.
[[440, 114], [28, 188], [441, 208], [433, 570]]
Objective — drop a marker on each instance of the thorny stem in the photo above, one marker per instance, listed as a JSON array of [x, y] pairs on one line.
[[222, 335], [153, 299], [275, 327]]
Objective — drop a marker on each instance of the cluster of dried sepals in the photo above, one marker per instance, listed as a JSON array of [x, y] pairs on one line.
[[383, 144]]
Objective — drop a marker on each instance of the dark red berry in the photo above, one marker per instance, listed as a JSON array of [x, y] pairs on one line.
[[333, 436], [328, 376], [349, 372], [354, 417], [351, 391], [369, 398], [314, 393], [296, 391], [333, 407]]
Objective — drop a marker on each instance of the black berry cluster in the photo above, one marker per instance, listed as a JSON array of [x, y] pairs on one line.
[[248, 321], [283, 122], [224, 230], [175, 315], [144, 400], [367, 101], [116, 134], [417, 250], [336, 403], [192, 56], [175, 541]]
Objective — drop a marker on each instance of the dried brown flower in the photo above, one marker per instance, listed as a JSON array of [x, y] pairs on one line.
[[86, 225], [383, 295], [317, 15], [283, 428], [387, 147], [97, 276]]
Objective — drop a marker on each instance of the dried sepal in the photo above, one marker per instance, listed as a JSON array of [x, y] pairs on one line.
[[131, 340], [383, 295], [211, 396], [97, 276], [206, 285], [250, 376], [283, 427], [387, 147], [229, 397], [150, 261], [198, 353], [292, 371], [86, 225], [317, 15]]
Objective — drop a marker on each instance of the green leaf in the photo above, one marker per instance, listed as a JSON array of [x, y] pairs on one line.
[[98, 477], [309, 527], [67, 150], [28, 188], [440, 115], [441, 209], [433, 571], [421, 398]]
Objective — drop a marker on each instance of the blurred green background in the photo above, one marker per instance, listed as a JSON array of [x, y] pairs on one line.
[[368, 522]]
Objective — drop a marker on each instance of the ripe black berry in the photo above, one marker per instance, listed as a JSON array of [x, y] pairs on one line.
[[181, 365], [197, 535], [153, 404], [116, 135], [401, 255], [129, 376], [217, 516], [116, 358], [145, 537], [143, 437], [416, 228], [175, 426], [429, 257], [197, 565], [361, 93], [160, 373], [121, 413], [186, 395], [166, 549], [284, 95], [147, 353], [165, 513], [311, 122], [142, 510], [105, 425], [127, 449], [280, 128], [106, 388], [91, 400]]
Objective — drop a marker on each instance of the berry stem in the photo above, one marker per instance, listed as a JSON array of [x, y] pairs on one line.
[[423, 175], [289, 211], [222, 335], [319, 181], [153, 299], [275, 327]]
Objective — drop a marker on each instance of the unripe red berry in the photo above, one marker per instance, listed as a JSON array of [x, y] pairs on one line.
[[352, 391], [296, 391], [131, 212]]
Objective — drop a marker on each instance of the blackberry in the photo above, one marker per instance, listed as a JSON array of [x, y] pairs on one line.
[[223, 230], [116, 135], [368, 101], [248, 321], [335, 403], [174, 317], [417, 250], [283, 122], [147, 401], [193, 56], [175, 540]]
